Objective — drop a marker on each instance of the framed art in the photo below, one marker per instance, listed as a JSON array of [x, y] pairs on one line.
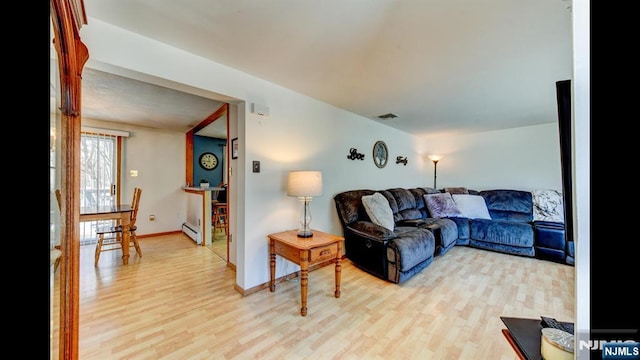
[[380, 154], [234, 148]]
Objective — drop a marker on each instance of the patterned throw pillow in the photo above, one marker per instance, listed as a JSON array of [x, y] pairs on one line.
[[548, 205], [441, 205], [378, 209]]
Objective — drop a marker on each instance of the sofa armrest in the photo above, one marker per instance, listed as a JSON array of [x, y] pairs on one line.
[[371, 231]]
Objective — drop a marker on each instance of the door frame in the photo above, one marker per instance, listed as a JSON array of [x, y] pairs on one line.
[[223, 110]]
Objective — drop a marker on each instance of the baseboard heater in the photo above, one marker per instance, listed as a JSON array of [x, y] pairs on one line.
[[193, 232]]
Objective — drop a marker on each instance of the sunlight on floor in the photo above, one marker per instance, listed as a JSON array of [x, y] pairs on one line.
[[219, 243]]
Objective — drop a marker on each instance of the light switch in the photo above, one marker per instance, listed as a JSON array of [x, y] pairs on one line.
[[256, 166]]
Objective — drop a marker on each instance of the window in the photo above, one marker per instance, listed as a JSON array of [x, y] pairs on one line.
[[98, 177]]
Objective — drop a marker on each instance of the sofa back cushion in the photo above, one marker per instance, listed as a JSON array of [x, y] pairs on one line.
[[456, 190], [512, 205], [403, 204], [349, 206]]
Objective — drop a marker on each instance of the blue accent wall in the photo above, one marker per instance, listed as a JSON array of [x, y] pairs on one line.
[[203, 144]]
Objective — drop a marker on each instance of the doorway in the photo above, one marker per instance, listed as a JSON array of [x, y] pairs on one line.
[[211, 137], [98, 178]]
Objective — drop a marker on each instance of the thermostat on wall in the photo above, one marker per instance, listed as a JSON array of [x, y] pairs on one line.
[[258, 109]]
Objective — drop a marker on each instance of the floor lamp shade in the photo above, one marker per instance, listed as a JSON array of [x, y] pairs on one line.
[[435, 159], [305, 185]]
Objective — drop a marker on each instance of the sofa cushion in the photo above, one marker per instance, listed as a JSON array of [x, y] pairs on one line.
[[471, 206], [403, 204], [511, 205], [441, 205], [378, 209], [510, 233], [547, 205], [349, 206], [456, 190]]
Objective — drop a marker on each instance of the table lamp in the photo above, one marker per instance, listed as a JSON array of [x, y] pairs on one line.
[[305, 185]]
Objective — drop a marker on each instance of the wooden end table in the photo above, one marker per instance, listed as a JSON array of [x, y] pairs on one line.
[[304, 252]]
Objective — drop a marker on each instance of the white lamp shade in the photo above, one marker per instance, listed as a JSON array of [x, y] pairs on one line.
[[304, 183]]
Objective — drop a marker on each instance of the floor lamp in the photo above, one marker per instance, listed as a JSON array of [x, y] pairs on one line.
[[435, 159]]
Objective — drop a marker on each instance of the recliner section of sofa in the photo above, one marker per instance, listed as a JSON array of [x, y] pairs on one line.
[[408, 205], [395, 255]]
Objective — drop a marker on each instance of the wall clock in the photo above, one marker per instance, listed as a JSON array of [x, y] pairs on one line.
[[208, 161], [380, 154]]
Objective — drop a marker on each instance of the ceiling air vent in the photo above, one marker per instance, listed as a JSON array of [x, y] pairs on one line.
[[388, 116]]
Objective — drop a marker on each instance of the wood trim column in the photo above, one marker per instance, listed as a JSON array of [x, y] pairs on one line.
[[67, 17]]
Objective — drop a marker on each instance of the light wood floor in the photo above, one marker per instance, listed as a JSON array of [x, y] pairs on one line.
[[178, 302], [219, 244]]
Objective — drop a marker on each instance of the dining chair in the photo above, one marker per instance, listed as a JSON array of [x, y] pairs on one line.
[[219, 209], [55, 252], [110, 238]]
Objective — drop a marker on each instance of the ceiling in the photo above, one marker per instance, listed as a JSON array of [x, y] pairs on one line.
[[442, 66], [115, 98]]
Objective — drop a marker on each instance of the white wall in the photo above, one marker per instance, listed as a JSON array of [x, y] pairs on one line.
[[159, 158], [304, 134], [524, 158]]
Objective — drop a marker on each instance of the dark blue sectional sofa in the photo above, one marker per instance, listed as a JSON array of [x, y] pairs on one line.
[[417, 238]]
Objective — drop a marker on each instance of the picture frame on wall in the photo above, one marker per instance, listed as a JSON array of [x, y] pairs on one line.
[[234, 148]]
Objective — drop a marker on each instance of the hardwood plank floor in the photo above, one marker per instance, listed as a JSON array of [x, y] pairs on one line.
[[178, 302]]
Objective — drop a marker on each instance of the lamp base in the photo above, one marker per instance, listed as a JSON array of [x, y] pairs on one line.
[[305, 233]]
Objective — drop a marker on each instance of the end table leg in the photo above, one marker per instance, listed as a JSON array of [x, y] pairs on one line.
[[272, 263], [304, 281], [338, 269]]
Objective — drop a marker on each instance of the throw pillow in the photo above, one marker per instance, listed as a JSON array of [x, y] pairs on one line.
[[547, 205], [378, 209], [472, 206], [441, 205], [456, 190]]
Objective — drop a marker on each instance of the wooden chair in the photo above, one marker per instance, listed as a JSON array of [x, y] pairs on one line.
[[219, 210], [111, 237], [55, 253], [219, 217]]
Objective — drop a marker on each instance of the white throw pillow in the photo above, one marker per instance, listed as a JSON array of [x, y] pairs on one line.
[[378, 209], [472, 206]]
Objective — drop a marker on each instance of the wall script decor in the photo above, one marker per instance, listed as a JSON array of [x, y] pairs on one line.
[[401, 160], [355, 155]]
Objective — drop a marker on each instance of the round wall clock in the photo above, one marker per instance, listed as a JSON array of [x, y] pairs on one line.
[[380, 154], [208, 161]]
